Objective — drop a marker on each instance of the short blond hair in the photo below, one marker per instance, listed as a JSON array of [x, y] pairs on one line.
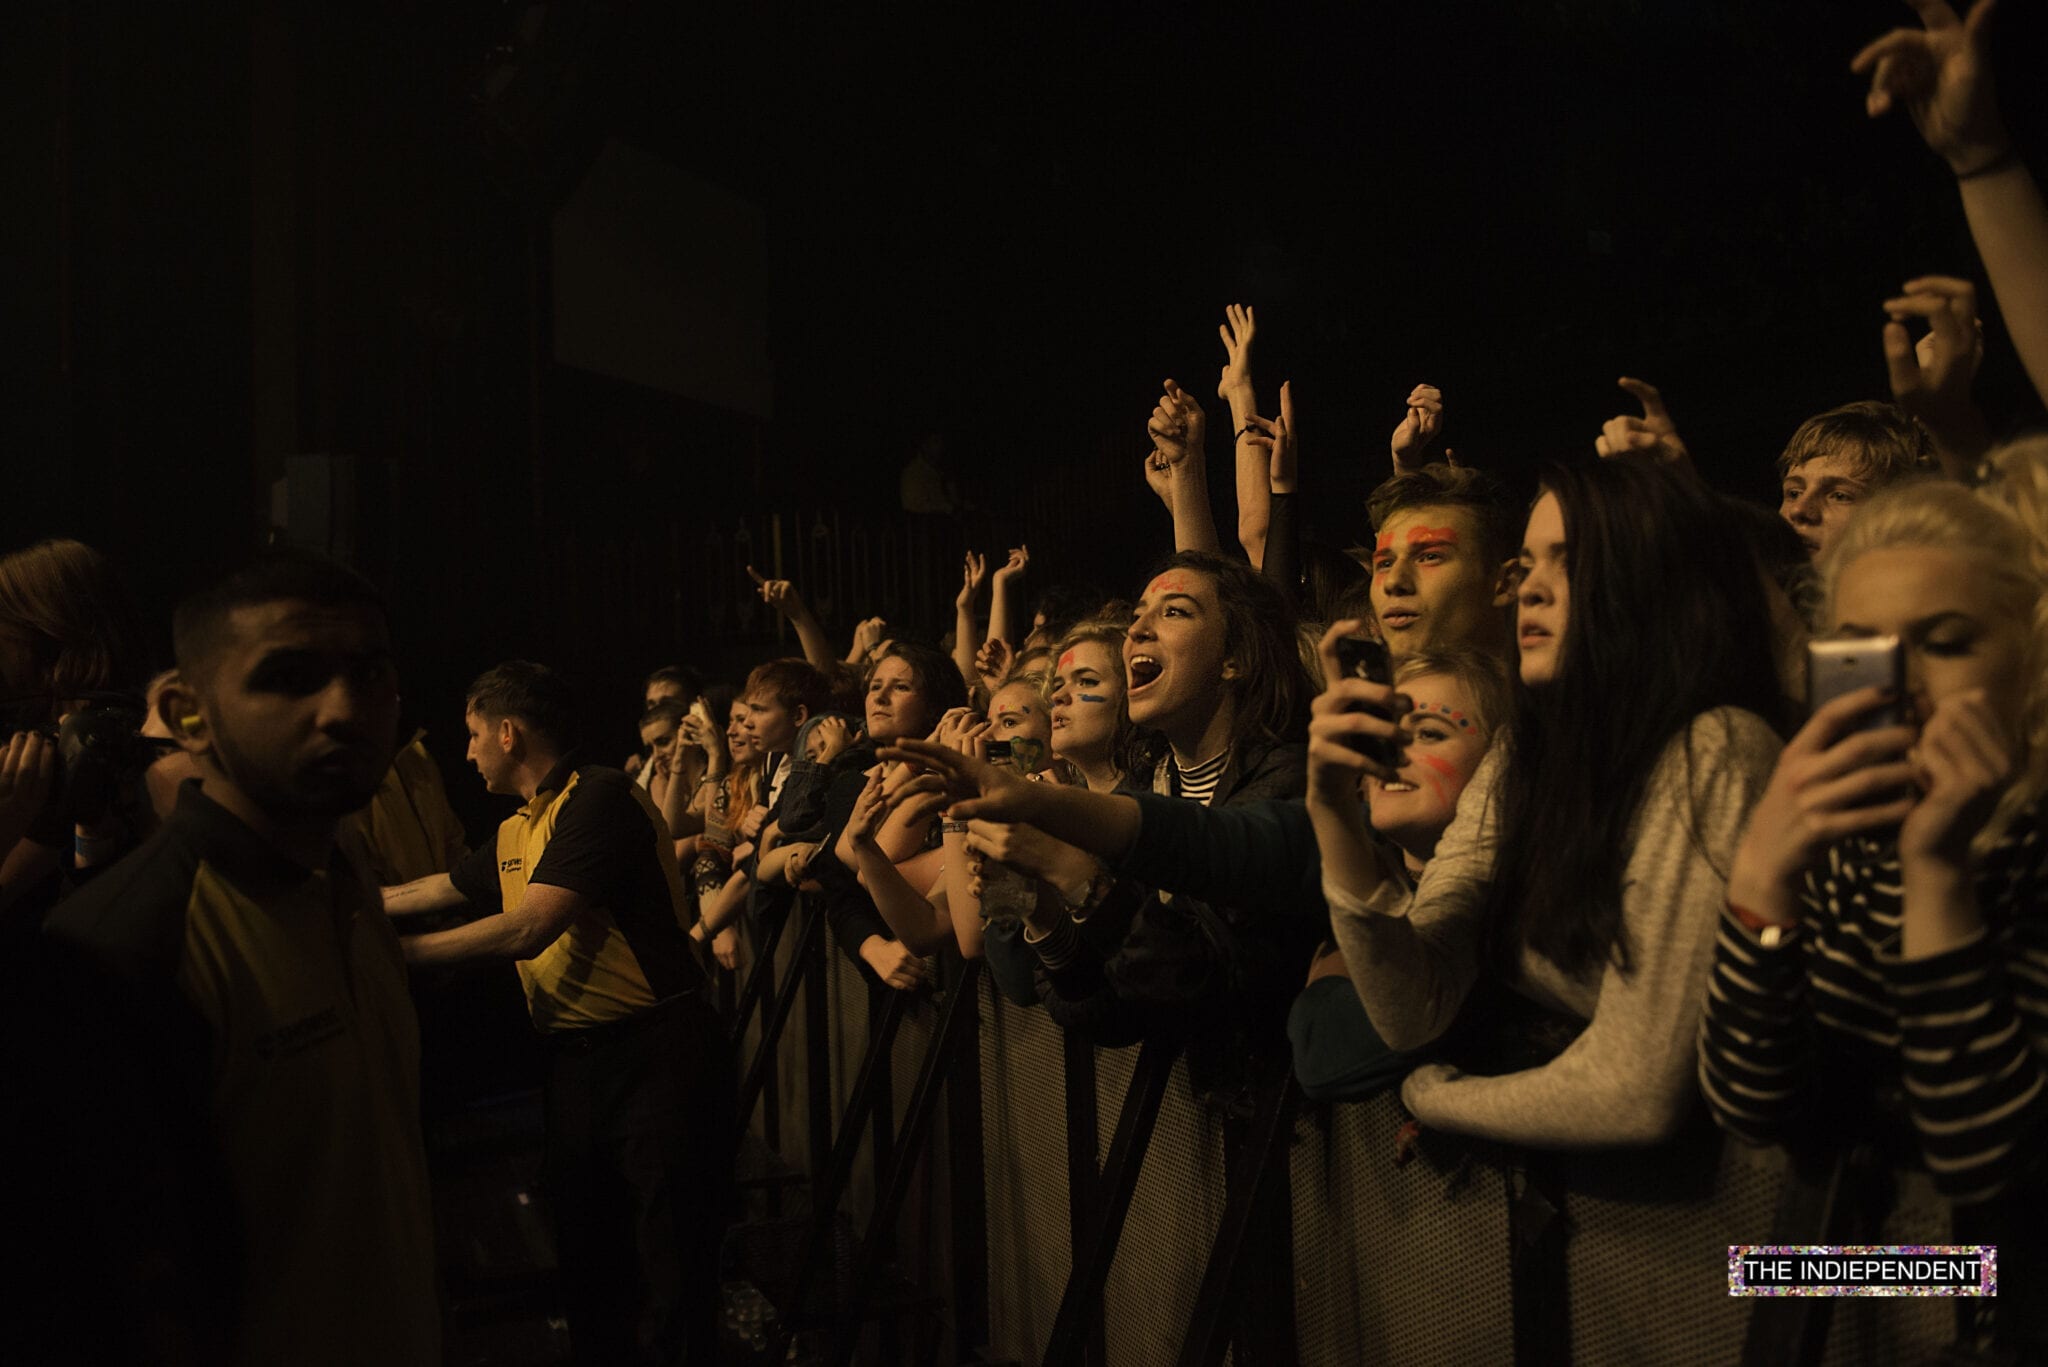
[[1993, 525]]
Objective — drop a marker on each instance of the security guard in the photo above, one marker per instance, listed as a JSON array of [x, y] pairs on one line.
[[408, 831], [240, 1062], [640, 1092]]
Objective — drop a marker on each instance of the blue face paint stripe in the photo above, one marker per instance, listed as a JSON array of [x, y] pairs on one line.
[[1092, 697]]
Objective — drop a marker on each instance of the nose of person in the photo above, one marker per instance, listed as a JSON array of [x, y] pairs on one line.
[[1805, 509], [1140, 628], [1398, 579]]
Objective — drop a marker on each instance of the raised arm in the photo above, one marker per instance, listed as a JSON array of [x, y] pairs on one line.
[[1931, 379], [1179, 429], [1004, 612], [1941, 73], [1418, 428], [967, 631], [1654, 432], [1254, 510], [781, 595], [1275, 444]]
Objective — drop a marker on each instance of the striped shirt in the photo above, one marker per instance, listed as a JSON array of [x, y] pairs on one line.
[[1963, 1033], [1197, 783]]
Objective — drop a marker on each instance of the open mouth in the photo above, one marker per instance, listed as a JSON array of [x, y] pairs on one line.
[[1145, 671], [1397, 787]]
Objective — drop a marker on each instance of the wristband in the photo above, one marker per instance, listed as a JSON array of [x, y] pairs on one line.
[[952, 828], [1770, 934]]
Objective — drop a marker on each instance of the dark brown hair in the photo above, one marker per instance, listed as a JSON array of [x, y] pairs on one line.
[[66, 624]]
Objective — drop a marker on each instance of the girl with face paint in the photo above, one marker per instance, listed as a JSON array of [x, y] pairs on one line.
[[1091, 729], [1584, 866], [1457, 700]]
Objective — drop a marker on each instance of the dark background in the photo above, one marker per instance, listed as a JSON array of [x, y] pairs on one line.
[[250, 232]]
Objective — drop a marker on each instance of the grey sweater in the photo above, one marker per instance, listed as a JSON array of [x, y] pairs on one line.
[[1628, 1077]]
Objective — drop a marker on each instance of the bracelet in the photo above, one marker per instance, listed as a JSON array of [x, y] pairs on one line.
[[952, 828], [1247, 428], [1997, 163], [1770, 934]]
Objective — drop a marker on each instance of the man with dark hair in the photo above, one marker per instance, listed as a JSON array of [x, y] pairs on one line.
[[668, 684], [1442, 559], [673, 683], [242, 1081], [640, 1094]]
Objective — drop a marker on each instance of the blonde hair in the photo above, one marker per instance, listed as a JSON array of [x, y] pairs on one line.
[[1107, 632], [1483, 674], [2005, 526]]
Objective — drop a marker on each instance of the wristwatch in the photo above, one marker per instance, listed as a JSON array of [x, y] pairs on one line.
[[1769, 934]]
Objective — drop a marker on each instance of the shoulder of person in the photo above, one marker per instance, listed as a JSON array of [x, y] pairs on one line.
[[130, 920], [1270, 769], [1726, 740]]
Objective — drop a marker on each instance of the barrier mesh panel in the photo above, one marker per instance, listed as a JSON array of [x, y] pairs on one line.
[[1150, 1295], [1897, 1331], [1024, 1136], [1394, 1264], [1647, 1252]]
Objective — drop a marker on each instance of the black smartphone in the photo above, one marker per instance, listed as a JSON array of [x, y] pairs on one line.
[[1361, 658], [1845, 664]]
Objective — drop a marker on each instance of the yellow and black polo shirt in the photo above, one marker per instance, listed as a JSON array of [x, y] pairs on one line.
[[261, 1010], [591, 830]]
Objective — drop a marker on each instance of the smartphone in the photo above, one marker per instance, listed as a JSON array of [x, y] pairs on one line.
[[1360, 658], [1845, 664]]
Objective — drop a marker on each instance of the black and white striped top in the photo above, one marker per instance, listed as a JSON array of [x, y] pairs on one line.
[[1199, 783], [1965, 1033]]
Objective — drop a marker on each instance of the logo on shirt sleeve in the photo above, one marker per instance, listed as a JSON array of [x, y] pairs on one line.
[[513, 865]]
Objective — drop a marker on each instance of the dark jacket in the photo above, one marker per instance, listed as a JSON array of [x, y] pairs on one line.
[[1185, 955]]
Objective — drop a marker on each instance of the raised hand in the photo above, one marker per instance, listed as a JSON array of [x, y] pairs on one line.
[[1931, 378], [972, 574], [1654, 431], [1178, 425], [1418, 430], [867, 638], [992, 663], [1941, 72], [779, 594], [1276, 437], [1347, 711], [1019, 561], [1236, 330]]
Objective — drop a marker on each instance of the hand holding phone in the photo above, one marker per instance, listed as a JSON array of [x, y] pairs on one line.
[[1360, 658]]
